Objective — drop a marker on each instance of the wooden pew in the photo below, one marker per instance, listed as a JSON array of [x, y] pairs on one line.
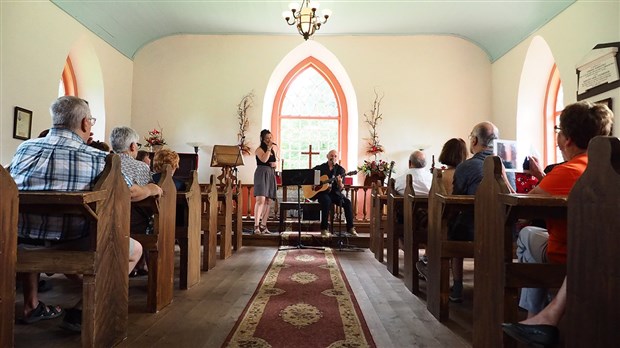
[[104, 266], [378, 200], [593, 270], [225, 219], [238, 217], [9, 205], [188, 233], [160, 244], [439, 249], [498, 277], [413, 239], [209, 224], [394, 204]]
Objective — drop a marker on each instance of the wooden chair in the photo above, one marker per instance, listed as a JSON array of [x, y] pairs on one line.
[[104, 266], [188, 233], [593, 270], [160, 244], [209, 224], [413, 238], [393, 228], [9, 205], [441, 207], [497, 277]]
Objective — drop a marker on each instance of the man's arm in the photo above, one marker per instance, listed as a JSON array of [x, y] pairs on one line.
[[139, 193]]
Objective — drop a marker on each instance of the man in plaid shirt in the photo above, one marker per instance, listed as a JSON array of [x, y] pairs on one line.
[[61, 161]]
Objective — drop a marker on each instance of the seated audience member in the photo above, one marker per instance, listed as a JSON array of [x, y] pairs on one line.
[[163, 157], [60, 161], [124, 142], [467, 178], [421, 177], [144, 157], [453, 153], [579, 123], [542, 328]]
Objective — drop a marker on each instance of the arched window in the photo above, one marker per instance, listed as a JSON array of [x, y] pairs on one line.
[[67, 84], [309, 109], [554, 104]]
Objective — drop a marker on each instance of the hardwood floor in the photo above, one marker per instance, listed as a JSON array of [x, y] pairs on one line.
[[204, 315]]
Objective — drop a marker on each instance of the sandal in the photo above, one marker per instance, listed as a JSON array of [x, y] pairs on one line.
[[42, 312], [263, 229], [257, 230]]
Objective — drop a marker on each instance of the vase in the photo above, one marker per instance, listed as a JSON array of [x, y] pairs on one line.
[[155, 148], [374, 177]]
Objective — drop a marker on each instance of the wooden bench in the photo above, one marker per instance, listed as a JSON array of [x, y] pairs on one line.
[[9, 205], [441, 207], [593, 270], [208, 223], [378, 199], [392, 227], [104, 266], [188, 233], [497, 277], [160, 244], [225, 219], [413, 238]]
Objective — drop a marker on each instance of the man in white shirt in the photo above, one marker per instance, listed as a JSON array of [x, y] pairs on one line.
[[421, 176]]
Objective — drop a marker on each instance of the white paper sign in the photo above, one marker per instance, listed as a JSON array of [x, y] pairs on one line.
[[601, 71]]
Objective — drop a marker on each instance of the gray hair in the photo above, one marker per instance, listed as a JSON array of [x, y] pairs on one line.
[[486, 132], [122, 137], [68, 112], [417, 159]]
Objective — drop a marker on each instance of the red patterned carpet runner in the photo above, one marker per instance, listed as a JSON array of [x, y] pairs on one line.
[[303, 300]]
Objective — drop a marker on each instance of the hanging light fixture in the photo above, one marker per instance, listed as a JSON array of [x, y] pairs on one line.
[[305, 17]]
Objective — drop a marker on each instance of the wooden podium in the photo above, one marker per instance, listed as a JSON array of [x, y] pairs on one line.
[[228, 157]]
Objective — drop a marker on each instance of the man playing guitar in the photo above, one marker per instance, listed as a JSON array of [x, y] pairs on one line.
[[333, 195]]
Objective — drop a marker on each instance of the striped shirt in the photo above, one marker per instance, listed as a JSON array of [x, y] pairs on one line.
[[136, 171], [59, 162]]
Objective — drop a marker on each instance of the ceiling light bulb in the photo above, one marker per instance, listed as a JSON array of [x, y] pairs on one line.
[[293, 6], [286, 15], [327, 13]]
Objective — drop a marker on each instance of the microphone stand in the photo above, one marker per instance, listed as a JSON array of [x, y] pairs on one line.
[[343, 238]]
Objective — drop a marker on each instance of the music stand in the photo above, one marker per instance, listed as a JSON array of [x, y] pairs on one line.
[[300, 177]]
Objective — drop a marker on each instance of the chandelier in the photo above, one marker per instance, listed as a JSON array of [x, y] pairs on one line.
[[305, 18]]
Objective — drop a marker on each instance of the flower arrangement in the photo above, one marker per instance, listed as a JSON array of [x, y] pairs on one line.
[[372, 119], [242, 114], [376, 167], [155, 138]]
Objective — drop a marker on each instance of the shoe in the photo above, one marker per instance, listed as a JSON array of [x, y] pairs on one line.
[[352, 231], [422, 268], [42, 312], [535, 335], [456, 293], [325, 233], [72, 320], [257, 230], [263, 229]]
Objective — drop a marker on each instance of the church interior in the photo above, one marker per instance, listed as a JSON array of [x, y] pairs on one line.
[[375, 82]]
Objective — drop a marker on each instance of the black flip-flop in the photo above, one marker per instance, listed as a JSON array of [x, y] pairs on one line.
[[42, 312]]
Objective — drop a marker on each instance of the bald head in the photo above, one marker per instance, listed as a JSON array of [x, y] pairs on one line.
[[482, 136], [417, 159]]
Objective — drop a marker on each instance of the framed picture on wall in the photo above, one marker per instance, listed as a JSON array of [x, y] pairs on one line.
[[606, 102], [22, 123]]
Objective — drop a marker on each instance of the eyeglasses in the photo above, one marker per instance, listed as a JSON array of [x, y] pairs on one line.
[[471, 135], [139, 145], [92, 121], [557, 129]]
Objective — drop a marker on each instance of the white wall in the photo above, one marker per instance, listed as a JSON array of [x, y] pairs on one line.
[[435, 87], [36, 38], [571, 35]]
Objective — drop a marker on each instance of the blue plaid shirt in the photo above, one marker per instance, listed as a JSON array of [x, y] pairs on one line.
[[59, 162]]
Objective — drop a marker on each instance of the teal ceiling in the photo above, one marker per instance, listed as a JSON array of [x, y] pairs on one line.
[[494, 25]]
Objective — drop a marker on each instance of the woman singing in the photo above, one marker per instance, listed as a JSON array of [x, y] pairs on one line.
[[264, 181]]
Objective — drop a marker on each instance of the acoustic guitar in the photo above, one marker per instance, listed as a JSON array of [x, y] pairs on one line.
[[311, 190]]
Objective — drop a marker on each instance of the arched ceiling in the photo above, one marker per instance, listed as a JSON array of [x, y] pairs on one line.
[[494, 25]]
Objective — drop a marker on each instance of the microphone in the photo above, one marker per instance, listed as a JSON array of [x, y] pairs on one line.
[[274, 144]]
